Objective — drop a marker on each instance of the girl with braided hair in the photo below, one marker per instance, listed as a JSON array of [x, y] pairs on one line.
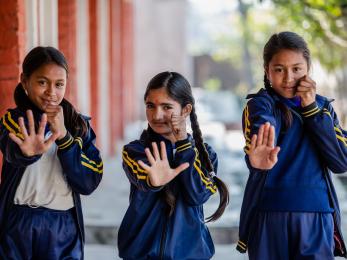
[[165, 218], [290, 209]]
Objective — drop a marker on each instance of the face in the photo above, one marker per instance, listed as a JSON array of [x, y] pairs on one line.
[[159, 108], [46, 85], [284, 71]]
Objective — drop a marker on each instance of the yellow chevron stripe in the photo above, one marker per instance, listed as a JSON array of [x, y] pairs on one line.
[[134, 163], [91, 161], [313, 113], [185, 148], [243, 247], [342, 139], [79, 141], [308, 112], [240, 242], [183, 145], [12, 121], [11, 130], [247, 130], [338, 130], [204, 179], [140, 177], [63, 145], [91, 167], [66, 144]]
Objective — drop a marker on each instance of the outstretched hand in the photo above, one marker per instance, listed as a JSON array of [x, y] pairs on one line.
[[262, 153], [33, 143], [160, 172]]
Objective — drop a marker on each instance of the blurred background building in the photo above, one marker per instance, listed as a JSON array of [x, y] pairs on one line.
[[114, 47]]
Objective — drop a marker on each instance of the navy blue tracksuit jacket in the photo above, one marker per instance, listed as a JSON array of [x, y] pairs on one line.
[[311, 147], [80, 160], [147, 232]]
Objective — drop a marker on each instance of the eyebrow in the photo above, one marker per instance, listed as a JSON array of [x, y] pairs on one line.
[[281, 65], [161, 104], [43, 77]]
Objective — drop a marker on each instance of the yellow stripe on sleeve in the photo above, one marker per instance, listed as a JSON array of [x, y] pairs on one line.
[[135, 171]]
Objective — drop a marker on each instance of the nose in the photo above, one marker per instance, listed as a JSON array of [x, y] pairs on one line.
[[288, 76], [158, 114], [50, 91]]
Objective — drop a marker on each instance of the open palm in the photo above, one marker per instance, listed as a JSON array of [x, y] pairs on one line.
[[33, 143], [160, 172], [262, 153]]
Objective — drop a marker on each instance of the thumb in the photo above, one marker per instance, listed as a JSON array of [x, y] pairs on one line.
[[181, 168]]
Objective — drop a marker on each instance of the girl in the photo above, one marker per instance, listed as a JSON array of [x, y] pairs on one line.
[[165, 218], [49, 160], [290, 209]]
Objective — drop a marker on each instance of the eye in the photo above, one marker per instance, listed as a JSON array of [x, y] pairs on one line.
[[297, 69], [278, 70], [149, 106], [60, 85], [42, 82], [167, 107]]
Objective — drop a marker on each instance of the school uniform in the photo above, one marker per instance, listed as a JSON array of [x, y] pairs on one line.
[[40, 207], [147, 232], [291, 211]]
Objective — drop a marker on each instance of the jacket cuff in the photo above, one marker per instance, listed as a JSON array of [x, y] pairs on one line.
[[310, 110], [183, 145], [153, 188], [65, 142]]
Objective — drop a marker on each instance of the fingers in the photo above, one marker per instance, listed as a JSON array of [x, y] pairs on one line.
[[163, 151], [266, 133], [155, 151], [15, 139], [42, 126], [23, 129], [274, 154], [31, 122], [181, 168], [149, 156], [253, 142], [143, 165], [271, 139], [260, 135]]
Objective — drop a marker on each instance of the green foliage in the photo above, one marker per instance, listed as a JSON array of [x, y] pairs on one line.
[[323, 24], [212, 84]]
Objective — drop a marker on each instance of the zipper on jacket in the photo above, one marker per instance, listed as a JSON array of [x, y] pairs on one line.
[[162, 240]]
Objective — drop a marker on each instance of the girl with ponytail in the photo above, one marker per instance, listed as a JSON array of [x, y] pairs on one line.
[[170, 184], [49, 159], [293, 143]]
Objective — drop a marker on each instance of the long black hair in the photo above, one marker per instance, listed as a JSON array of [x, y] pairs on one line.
[[276, 43], [179, 89], [36, 58]]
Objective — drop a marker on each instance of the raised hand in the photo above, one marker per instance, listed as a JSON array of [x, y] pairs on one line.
[[262, 153], [55, 118], [306, 90], [160, 172], [33, 143], [178, 125]]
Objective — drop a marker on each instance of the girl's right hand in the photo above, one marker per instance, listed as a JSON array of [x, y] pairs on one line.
[[262, 153], [160, 172], [33, 143]]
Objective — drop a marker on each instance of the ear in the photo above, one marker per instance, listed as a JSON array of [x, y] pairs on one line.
[[187, 110], [23, 81]]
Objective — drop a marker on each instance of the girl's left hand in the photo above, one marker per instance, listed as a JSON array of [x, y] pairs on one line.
[[178, 125], [306, 90], [55, 118], [160, 172]]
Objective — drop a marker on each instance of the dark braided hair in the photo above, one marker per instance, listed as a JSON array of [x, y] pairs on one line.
[[179, 89], [36, 58], [276, 43]]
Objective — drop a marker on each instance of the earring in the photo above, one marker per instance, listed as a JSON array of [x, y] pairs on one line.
[[26, 92]]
